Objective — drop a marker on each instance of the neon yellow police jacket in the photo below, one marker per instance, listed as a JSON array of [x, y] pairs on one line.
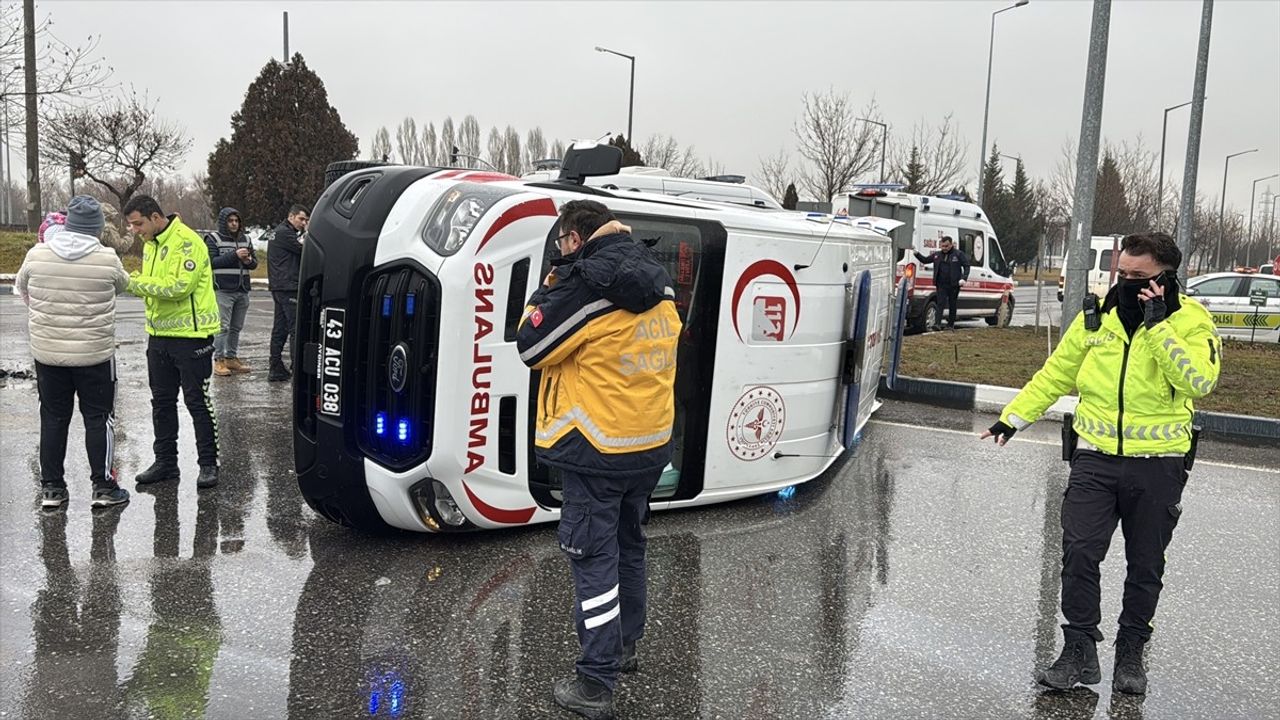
[[177, 284]]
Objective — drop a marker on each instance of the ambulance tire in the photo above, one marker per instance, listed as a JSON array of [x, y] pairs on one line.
[[930, 318], [335, 170], [917, 324], [1003, 314]]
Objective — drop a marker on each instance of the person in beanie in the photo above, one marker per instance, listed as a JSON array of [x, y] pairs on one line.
[[182, 317], [55, 220], [284, 262], [232, 257], [69, 283], [606, 426]]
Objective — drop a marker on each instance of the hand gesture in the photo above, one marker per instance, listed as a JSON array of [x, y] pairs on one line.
[[243, 254]]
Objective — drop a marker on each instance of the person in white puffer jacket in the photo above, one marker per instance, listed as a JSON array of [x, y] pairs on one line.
[[69, 283]]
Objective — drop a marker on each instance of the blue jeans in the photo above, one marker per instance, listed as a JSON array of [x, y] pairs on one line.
[[232, 307]]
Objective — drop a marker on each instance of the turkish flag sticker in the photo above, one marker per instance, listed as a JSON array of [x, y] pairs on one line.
[[536, 317]]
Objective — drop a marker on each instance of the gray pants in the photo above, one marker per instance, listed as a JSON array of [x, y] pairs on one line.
[[232, 307]]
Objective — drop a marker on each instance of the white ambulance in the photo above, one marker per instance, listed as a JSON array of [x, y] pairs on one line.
[[988, 293], [411, 405]]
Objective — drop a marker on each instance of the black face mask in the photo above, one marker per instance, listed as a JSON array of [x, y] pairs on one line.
[[1127, 297]]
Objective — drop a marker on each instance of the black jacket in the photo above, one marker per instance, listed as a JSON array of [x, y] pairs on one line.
[[949, 268], [229, 274], [284, 259]]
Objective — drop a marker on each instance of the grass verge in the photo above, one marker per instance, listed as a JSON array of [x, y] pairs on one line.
[[1249, 384]]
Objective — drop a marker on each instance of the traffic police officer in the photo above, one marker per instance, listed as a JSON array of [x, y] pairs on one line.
[[603, 330], [1139, 364], [176, 283]]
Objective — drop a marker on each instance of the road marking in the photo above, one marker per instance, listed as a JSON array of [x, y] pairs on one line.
[[1029, 441]]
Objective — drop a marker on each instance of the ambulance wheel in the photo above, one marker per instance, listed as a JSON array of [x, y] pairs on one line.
[[335, 170], [930, 318], [1003, 315]]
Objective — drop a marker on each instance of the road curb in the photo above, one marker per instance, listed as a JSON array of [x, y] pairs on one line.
[[992, 398]]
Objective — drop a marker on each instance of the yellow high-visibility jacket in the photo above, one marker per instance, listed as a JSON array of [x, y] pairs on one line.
[[1136, 394], [177, 284]]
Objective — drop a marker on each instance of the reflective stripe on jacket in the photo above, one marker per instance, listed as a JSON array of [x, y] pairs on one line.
[[1136, 394], [605, 338], [177, 285]]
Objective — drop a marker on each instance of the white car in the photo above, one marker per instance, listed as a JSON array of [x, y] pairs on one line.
[[1245, 306]]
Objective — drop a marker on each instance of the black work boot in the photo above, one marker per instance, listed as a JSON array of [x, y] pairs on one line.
[[1130, 675], [160, 471], [277, 372], [1078, 663], [585, 696], [630, 663], [208, 477]]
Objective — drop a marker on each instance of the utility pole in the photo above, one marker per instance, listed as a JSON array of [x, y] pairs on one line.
[[1081, 229], [286, 37], [1187, 208], [33, 125]]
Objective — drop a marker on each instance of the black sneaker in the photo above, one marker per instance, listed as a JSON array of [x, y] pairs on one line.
[[1130, 675], [278, 373], [630, 663], [1078, 663], [159, 472], [108, 496], [53, 497], [584, 696], [208, 477]]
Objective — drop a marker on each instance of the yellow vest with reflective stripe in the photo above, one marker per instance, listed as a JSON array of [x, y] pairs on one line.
[[1136, 394], [176, 283]]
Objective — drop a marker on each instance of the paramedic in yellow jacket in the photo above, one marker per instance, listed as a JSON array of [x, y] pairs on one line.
[[176, 281], [1138, 374], [603, 330]]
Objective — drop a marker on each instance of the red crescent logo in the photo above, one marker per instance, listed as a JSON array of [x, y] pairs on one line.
[[761, 268]]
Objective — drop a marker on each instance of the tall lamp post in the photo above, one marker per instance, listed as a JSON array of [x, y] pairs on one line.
[[884, 141], [1253, 195], [1222, 206], [1164, 132], [631, 104], [986, 111]]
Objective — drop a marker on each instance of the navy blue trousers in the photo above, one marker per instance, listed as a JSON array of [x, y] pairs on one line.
[[602, 534]]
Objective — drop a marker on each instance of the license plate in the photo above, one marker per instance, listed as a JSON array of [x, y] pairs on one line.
[[333, 323]]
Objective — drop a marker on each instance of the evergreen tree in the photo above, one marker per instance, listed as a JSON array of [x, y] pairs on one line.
[[992, 180], [1111, 213], [1023, 221], [792, 198], [282, 138], [630, 156], [914, 172]]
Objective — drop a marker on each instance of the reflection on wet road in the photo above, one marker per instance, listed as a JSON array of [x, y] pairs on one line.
[[918, 579]]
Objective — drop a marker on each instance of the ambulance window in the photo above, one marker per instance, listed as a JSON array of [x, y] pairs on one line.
[[679, 248], [966, 245], [996, 257]]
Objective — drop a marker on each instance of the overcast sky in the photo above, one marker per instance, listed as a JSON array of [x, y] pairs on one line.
[[725, 77]]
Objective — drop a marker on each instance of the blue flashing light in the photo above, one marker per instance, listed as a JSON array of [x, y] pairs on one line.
[[409, 302], [402, 431], [397, 698], [386, 306], [380, 424], [375, 702], [787, 492]]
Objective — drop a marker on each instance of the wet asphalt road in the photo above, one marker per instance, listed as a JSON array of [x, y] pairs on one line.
[[918, 579]]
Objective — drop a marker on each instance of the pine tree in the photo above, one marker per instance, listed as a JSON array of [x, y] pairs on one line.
[[282, 138], [792, 198], [992, 181], [1111, 213], [914, 172], [1019, 238]]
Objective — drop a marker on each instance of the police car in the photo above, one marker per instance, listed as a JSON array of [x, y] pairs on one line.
[[413, 410], [1245, 306]]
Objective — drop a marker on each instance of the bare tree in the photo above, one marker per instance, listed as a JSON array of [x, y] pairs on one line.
[[1139, 172], [775, 174], [557, 149], [514, 158], [1061, 190], [939, 159], [497, 149], [430, 153], [469, 139], [447, 141], [535, 147], [121, 141], [838, 147], [407, 144], [380, 148], [665, 152]]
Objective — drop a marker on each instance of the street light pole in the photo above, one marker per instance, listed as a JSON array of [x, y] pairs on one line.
[[1253, 195], [1164, 133], [631, 104], [986, 111], [884, 141], [1222, 205]]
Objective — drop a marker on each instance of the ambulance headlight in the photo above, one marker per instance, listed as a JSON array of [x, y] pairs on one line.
[[456, 214], [446, 507]]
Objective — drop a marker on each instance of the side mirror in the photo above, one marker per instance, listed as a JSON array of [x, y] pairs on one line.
[[1192, 291]]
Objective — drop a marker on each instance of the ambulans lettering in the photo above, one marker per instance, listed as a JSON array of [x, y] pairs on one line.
[[481, 370]]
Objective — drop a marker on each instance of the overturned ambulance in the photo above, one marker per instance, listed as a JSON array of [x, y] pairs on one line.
[[413, 410]]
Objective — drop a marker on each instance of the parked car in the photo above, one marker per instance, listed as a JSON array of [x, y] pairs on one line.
[[1245, 306]]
